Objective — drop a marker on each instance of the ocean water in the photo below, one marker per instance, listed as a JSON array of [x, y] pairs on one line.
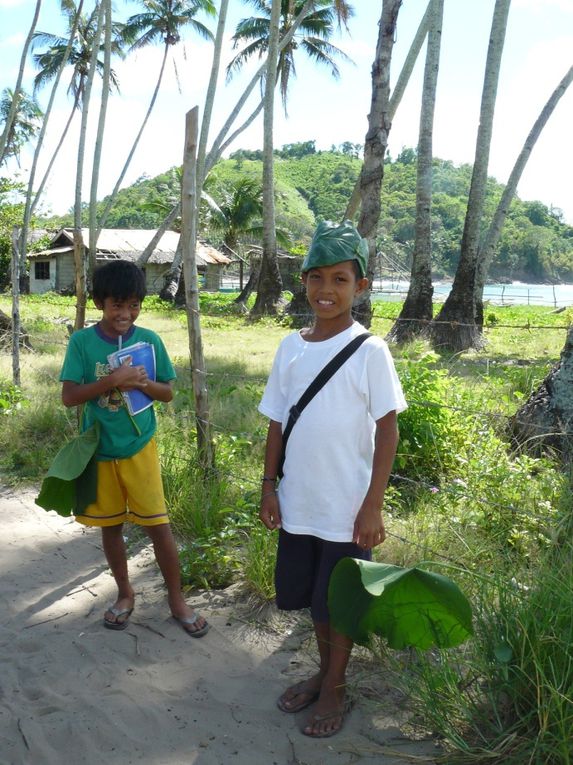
[[516, 293]]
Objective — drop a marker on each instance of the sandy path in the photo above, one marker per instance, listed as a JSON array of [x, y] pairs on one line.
[[72, 692]]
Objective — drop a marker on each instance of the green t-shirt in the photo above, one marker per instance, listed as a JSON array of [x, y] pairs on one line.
[[86, 362]]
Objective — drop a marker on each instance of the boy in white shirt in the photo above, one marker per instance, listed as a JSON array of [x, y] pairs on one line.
[[338, 459]]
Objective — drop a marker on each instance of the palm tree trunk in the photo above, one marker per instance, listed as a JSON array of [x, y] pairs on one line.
[[270, 282], [216, 148], [496, 226], [17, 89], [31, 199], [545, 421], [455, 326], [165, 226], [93, 227], [396, 96], [375, 146], [417, 310], [113, 195], [188, 241], [210, 96], [173, 275], [80, 255]]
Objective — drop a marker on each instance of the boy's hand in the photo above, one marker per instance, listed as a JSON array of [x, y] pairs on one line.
[[127, 377], [270, 513], [369, 527]]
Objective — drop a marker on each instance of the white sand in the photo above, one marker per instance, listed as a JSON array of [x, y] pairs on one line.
[[72, 692]]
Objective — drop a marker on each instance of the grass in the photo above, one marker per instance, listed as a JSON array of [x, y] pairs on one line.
[[460, 501]]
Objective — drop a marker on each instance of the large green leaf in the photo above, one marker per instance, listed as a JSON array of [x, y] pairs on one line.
[[70, 484], [407, 606]]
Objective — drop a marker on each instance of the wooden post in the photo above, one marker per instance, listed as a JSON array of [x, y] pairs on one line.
[[189, 249], [15, 308]]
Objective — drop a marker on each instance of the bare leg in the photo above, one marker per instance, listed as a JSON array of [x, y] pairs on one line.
[[334, 651], [168, 561], [114, 550], [327, 684]]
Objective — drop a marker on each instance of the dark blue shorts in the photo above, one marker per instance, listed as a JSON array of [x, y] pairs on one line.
[[304, 566]]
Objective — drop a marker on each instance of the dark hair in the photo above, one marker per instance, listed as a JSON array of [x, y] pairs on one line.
[[119, 279]]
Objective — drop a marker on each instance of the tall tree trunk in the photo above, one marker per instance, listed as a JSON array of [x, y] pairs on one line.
[[417, 310], [545, 421], [375, 146], [487, 251], [18, 87], [155, 239], [188, 246], [80, 255], [270, 283], [93, 226], [396, 97], [109, 204], [171, 279], [455, 327], [216, 148], [31, 198]]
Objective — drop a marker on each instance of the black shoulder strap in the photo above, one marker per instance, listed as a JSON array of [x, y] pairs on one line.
[[319, 381]]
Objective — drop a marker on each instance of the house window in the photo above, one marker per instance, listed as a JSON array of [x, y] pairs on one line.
[[42, 269]]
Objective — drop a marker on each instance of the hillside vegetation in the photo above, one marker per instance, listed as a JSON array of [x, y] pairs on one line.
[[536, 245]]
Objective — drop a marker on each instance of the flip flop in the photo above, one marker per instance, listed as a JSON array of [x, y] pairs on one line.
[[297, 690], [117, 612], [190, 620], [320, 718]]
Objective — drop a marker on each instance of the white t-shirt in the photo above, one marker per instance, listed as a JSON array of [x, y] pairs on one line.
[[329, 453]]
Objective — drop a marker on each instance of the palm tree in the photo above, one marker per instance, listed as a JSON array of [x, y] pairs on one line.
[[456, 326], [239, 211], [417, 310], [81, 28], [375, 145], [263, 35], [161, 21], [25, 122], [313, 36]]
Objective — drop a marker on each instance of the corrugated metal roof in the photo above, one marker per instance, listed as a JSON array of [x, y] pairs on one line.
[[130, 243]]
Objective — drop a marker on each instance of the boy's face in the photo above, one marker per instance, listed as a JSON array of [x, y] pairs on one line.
[[118, 315], [331, 290]]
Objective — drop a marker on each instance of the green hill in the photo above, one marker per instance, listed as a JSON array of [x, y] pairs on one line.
[[536, 245]]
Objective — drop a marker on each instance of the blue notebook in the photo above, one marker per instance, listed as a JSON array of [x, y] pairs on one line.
[[138, 354]]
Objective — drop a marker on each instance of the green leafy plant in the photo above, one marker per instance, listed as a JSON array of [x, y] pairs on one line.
[[409, 607]]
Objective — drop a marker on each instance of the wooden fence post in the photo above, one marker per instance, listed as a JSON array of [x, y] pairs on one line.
[[189, 249]]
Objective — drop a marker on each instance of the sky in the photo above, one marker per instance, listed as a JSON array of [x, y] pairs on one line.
[[537, 54]]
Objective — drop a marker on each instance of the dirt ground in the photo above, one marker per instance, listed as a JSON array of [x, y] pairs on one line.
[[74, 692]]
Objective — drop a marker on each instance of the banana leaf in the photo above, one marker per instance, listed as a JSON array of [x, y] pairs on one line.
[[406, 606], [70, 484]]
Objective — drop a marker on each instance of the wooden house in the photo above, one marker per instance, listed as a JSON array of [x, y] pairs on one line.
[[53, 269]]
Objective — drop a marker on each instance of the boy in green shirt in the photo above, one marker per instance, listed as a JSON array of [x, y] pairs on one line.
[[129, 477]]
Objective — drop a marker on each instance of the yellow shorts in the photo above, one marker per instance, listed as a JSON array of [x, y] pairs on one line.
[[128, 489]]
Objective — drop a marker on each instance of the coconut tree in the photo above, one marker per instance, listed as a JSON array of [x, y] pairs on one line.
[[59, 52], [456, 326], [376, 143], [313, 37], [262, 34], [80, 254], [161, 21], [417, 308]]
